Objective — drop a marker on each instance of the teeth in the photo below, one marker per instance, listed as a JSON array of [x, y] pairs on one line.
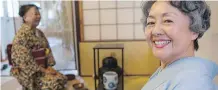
[[161, 42]]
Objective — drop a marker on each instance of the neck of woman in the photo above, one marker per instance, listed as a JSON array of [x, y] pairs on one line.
[[187, 53], [30, 25]]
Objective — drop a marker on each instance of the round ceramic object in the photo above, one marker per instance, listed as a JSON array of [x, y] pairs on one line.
[[110, 80]]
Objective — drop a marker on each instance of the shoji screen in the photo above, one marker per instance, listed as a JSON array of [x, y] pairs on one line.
[[111, 20]]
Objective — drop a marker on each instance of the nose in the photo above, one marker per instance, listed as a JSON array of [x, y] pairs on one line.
[[38, 17], [157, 30]]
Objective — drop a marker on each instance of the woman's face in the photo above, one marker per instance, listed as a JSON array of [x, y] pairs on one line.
[[168, 32], [32, 17]]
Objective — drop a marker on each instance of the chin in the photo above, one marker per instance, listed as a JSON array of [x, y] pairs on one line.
[[160, 55], [36, 24]]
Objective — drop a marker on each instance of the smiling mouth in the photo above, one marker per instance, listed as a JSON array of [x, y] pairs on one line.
[[161, 43]]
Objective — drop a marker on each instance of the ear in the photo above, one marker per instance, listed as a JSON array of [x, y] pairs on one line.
[[194, 35], [24, 18]]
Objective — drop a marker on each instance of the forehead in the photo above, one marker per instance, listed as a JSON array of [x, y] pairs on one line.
[[163, 7], [32, 10]]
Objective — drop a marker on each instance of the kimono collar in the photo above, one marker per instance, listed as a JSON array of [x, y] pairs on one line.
[[182, 66], [27, 27]]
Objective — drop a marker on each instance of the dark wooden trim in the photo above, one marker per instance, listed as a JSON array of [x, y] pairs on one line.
[[86, 75], [74, 42], [78, 33], [81, 20]]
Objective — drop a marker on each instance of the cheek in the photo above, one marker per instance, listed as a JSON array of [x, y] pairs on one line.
[[148, 36], [174, 32], [147, 33], [28, 19], [180, 38], [33, 18], [39, 17]]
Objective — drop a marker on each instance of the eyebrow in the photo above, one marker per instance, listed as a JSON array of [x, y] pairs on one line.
[[163, 15], [168, 13], [150, 16]]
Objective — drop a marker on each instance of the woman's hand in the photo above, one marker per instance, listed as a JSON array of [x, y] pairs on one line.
[[50, 70], [42, 69]]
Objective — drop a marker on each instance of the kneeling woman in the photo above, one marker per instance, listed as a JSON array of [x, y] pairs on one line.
[[28, 73]]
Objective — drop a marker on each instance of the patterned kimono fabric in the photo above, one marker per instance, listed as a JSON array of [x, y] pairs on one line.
[[25, 69]]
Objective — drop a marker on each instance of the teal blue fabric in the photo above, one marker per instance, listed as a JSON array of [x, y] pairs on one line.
[[190, 73]]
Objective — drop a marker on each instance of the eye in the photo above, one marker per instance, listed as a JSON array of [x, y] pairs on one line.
[[150, 23], [168, 21], [36, 13]]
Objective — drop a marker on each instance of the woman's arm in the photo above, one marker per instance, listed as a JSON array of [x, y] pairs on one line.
[[51, 60], [22, 57]]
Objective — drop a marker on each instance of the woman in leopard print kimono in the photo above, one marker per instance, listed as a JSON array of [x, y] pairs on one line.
[[28, 73]]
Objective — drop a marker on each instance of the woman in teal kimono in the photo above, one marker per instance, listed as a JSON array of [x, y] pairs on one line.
[[172, 30], [25, 69]]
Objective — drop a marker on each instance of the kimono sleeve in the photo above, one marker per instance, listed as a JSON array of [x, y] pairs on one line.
[[22, 58]]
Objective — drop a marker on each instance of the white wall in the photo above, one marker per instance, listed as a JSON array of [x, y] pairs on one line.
[[209, 43]]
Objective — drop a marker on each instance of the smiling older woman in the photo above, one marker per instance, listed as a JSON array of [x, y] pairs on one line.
[[172, 29], [30, 74]]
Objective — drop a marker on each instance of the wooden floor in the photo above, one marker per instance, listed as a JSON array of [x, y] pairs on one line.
[[130, 82]]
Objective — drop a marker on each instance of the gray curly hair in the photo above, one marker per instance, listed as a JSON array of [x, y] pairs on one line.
[[198, 12]]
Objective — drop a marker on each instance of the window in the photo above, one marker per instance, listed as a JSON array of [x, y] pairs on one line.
[[12, 7], [111, 20], [1, 9], [56, 23]]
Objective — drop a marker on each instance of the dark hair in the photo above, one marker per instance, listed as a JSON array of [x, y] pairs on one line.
[[24, 8], [198, 12]]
